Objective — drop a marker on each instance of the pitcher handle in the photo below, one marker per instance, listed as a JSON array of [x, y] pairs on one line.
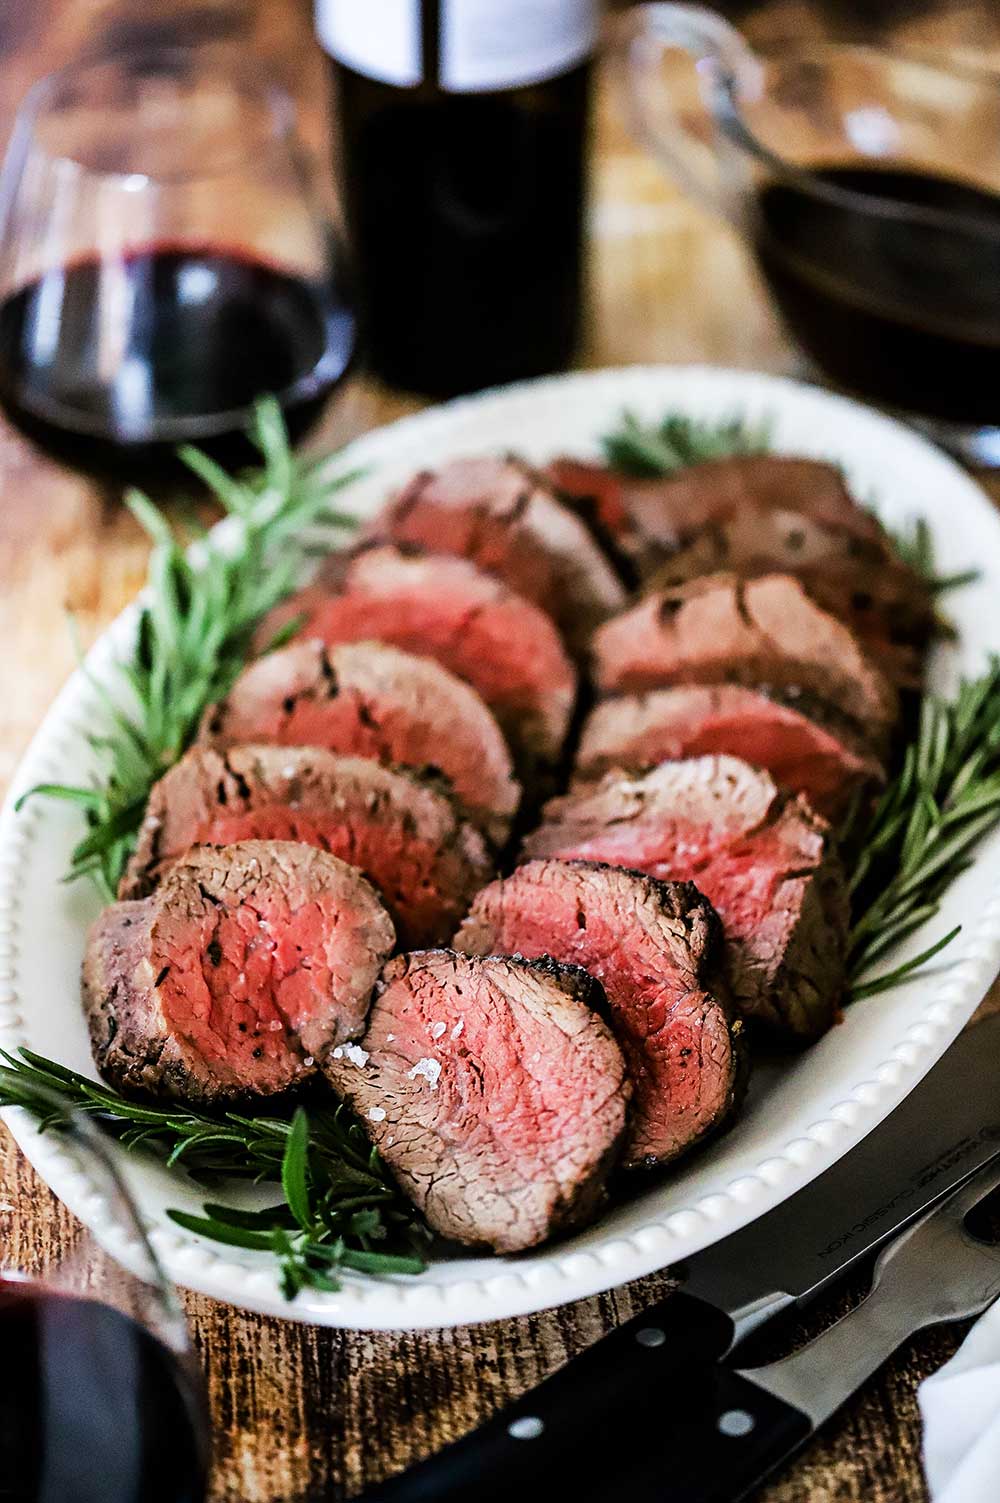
[[728, 70]]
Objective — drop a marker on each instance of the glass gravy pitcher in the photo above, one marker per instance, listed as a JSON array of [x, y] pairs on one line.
[[866, 184]]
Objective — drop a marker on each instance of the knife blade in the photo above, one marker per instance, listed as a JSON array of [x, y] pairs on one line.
[[946, 1128], [732, 1437], [582, 1419]]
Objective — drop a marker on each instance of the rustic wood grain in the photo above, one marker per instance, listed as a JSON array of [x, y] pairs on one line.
[[300, 1413]]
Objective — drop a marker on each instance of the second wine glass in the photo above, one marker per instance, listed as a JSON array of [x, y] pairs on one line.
[[101, 1400]]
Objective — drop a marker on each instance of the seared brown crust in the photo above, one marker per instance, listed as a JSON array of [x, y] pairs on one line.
[[493, 1090], [669, 512], [887, 606], [505, 518], [656, 948], [214, 988], [764, 860], [764, 514], [366, 699], [404, 832], [762, 632]]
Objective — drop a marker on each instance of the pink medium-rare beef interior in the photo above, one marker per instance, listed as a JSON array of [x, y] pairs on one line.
[[504, 518], [239, 974], [673, 823], [240, 988], [494, 1091], [368, 700], [656, 950], [764, 860], [761, 632], [471, 623], [637, 732], [404, 833]]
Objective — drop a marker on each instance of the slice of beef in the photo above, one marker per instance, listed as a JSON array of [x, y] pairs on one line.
[[597, 491], [405, 833], [368, 700], [656, 949], [505, 518], [447, 609], [668, 512], [762, 632], [763, 859], [237, 976], [598, 494], [493, 1090], [635, 732], [886, 604]]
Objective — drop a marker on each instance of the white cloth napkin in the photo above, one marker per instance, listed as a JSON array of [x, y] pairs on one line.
[[960, 1407]]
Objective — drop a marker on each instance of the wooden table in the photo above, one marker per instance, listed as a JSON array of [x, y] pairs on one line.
[[300, 1413]]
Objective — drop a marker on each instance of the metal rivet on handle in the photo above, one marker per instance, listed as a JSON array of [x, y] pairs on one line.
[[650, 1336], [529, 1427], [736, 1422]]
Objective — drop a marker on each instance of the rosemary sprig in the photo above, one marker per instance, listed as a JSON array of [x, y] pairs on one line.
[[197, 618], [920, 837], [655, 449], [339, 1206]]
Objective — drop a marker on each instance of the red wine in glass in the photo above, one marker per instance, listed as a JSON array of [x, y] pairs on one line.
[[101, 1400], [164, 261], [93, 1408], [208, 330]]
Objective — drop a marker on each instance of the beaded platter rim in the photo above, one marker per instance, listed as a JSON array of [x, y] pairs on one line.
[[850, 1082]]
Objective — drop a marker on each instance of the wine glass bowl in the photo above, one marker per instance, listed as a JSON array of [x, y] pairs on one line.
[[164, 260], [101, 1400]]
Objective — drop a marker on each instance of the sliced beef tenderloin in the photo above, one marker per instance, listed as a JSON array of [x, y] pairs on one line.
[[447, 609], [635, 732], [762, 632], [507, 520], [368, 700], [886, 604], [596, 490], [599, 494], [493, 1090], [668, 512], [656, 949], [244, 968], [763, 859], [404, 832]]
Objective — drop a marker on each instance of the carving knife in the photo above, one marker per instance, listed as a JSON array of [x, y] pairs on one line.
[[605, 1424]]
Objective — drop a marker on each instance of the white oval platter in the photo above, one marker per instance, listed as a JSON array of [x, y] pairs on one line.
[[797, 1121]]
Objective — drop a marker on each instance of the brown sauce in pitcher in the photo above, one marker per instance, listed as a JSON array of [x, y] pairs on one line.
[[904, 310]]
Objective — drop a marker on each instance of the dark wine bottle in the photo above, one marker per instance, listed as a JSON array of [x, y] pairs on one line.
[[462, 147]]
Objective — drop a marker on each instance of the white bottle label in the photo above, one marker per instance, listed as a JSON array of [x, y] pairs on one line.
[[501, 44], [379, 38], [484, 44]]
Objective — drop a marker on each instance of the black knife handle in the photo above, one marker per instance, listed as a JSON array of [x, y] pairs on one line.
[[646, 1411]]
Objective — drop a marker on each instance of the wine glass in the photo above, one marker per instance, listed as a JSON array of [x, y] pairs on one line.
[[164, 260], [101, 1400]]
